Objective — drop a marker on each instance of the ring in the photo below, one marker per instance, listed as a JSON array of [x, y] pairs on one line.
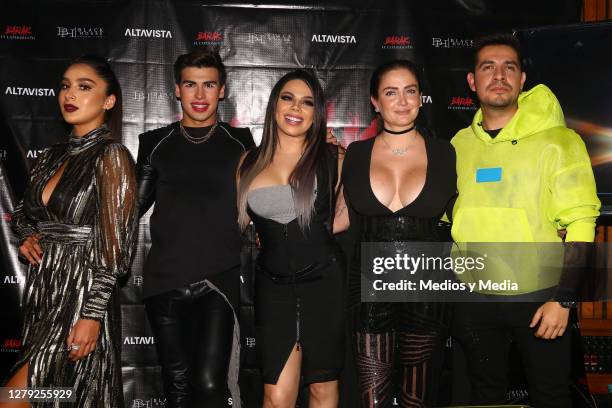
[[74, 346]]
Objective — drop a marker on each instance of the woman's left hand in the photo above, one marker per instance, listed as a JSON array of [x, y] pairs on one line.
[[82, 338], [330, 138]]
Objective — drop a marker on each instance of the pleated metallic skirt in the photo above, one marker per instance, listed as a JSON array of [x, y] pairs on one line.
[[55, 293]]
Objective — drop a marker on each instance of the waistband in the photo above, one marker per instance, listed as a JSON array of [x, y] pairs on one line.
[[399, 228], [64, 233], [312, 272]]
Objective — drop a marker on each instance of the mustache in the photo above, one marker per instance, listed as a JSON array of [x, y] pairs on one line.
[[500, 84]]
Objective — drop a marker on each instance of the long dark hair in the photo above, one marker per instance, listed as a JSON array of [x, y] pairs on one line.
[[382, 69], [113, 116], [302, 177]]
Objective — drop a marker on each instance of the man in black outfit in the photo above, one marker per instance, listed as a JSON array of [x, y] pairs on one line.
[[191, 275]]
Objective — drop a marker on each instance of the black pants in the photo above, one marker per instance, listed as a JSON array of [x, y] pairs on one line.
[[485, 331], [193, 328]]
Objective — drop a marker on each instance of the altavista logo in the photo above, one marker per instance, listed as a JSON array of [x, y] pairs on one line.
[[147, 33], [23, 91], [336, 39], [134, 340]]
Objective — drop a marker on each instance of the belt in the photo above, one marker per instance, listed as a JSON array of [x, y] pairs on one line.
[[402, 228], [56, 232], [312, 272]]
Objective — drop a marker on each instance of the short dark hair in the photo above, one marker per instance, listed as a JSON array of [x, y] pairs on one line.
[[200, 58], [498, 39]]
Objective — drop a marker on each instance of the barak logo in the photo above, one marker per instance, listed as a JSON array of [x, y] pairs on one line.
[[147, 33], [23, 91], [397, 42], [17, 32], [11, 346], [462, 103], [335, 39], [12, 343], [135, 340], [208, 38], [438, 42], [80, 32]]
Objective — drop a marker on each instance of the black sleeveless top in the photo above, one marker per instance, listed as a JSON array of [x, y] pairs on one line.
[[287, 249], [417, 220], [372, 221]]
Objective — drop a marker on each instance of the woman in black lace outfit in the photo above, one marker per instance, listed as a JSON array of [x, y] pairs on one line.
[[397, 187], [77, 223]]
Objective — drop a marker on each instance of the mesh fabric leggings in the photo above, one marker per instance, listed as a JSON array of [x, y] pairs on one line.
[[399, 351]]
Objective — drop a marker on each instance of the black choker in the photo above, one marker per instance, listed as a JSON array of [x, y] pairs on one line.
[[401, 132]]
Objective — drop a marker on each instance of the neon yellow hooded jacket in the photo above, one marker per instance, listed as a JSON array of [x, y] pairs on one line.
[[542, 178]]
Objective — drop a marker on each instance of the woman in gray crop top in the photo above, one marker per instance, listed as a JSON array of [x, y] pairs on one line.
[[287, 188]]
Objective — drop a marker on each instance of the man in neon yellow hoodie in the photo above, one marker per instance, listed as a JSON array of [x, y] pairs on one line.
[[522, 176]]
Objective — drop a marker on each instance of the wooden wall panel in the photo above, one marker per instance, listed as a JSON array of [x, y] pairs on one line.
[[596, 10]]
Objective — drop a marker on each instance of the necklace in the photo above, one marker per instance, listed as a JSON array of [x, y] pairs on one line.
[[401, 132], [198, 140], [399, 151]]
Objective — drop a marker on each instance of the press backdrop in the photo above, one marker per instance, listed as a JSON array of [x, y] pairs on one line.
[[341, 40]]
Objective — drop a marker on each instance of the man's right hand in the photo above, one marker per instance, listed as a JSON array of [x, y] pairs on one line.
[[30, 249]]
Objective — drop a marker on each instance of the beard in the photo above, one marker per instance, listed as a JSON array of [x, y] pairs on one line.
[[499, 101]]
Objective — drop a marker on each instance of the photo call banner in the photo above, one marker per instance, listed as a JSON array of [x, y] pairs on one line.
[[342, 41]]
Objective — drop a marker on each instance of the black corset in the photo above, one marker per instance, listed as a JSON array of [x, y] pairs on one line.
[[394, 228]]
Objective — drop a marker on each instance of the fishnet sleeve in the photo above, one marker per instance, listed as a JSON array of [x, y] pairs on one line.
[[115, 228]]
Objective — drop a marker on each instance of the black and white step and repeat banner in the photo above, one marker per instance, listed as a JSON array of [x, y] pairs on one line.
[[341, 40]]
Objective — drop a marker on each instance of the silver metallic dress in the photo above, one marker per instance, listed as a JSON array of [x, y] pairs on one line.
[[88, 229]]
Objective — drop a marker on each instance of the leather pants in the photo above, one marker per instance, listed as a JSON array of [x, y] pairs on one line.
[[193, 328]]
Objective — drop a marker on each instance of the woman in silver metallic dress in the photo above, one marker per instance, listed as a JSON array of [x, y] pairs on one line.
[[77, 224]]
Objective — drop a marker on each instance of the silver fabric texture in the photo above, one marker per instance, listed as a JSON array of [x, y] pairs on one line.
[[88, 230], [273, 202]]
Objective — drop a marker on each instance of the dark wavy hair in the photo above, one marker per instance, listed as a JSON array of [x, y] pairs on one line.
[[302, 179], [384, 68], [113, 116]]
